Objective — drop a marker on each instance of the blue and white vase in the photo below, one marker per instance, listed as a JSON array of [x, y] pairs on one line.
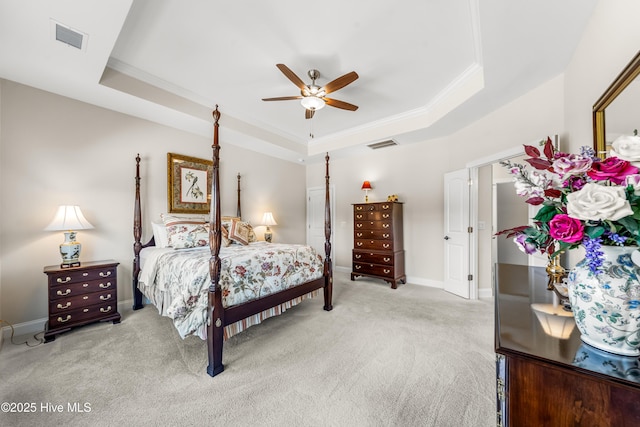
[[606, 306]]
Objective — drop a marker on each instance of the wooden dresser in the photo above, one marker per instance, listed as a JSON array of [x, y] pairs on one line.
[[544, 379], [81, 295], [377, 242]]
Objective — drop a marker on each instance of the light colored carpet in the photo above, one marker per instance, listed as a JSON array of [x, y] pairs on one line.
[[414, 356]]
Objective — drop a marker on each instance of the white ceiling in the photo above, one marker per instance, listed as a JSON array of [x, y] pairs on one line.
[[427, 67]]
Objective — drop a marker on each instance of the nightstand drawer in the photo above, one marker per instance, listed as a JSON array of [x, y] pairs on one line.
[[73, 289], [74, 317], [66, 304], [65, 277]]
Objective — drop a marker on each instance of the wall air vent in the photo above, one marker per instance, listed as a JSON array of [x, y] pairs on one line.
[[382, 144], [68, 36]]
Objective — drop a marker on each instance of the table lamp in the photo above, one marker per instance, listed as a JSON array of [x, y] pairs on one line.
[[69, 219], [267, 219], [366, 186]]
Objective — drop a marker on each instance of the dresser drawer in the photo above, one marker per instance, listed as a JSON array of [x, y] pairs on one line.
[[373, 225], [373, 269], [373, 257], [74, 317], [72, 289], [373, 234], [379, 245], [67, 304], [66, 277], [367, 207]]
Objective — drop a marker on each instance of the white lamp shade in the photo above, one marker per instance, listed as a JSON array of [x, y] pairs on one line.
[[312, 103], [69, 218], [267, 219]]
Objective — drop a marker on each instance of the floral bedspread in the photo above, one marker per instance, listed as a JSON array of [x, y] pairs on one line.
[[177, 281]]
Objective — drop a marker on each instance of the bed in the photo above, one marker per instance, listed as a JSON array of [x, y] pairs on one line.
[[216, 296]]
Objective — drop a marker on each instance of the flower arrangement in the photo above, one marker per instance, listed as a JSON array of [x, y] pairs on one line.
[[584, 200]]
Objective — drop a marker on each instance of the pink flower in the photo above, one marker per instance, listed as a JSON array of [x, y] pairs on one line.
[[566, 229], [612, 169]]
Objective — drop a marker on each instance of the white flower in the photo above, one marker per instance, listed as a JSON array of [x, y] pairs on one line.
[[626, 147], [598, 202]]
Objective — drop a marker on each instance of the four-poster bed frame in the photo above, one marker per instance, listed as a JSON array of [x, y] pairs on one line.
[[218, 315]]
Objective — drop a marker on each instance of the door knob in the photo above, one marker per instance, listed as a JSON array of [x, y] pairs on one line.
[[446, 237]]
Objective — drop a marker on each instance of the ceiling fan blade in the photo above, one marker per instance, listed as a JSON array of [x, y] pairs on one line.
[[291, 76], [340, 104], [282, 98], [340, 82], [308, 113]]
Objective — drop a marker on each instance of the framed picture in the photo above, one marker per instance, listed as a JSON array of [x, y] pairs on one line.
[[188, 184]]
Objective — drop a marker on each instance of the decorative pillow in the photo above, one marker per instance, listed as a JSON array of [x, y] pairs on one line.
[[225, 237], [239, 232], [160, 234], [184, 232]]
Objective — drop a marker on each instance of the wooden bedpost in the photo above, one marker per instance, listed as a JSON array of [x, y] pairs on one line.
[[328, 269], [215, 327], [137, 245], [238, 210]]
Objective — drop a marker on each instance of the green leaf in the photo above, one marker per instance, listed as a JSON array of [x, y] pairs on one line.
[[630, 224], [594, 231], [546, 213]]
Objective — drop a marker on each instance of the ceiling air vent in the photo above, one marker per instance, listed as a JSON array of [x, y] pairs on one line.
[[68, 36], [382, 144]]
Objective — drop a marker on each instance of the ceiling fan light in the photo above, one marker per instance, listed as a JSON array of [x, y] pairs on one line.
[[312, 103]]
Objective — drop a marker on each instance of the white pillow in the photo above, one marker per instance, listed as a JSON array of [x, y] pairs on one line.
[[160, 234]]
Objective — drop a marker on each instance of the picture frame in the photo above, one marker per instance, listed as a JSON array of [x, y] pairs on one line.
[[188, 184]]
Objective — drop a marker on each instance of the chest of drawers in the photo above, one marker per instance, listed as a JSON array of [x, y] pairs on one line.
[[378, 242], [81, 295]]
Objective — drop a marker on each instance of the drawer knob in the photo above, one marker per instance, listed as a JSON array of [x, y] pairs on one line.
[[107, 274], [385, 235], [359, 208], [67, 305], [66, 319], [67, 292], [358, 256], [358, 244], [85, 285], [65, 280], [385, 216], [105, 297], [359, 225], [386, 271], [387, 259], [105, 285], [357, 267], [105, 310], [359, 234], [85, 274], [385, 206], [86, 310], [386, 245], [385, 225]]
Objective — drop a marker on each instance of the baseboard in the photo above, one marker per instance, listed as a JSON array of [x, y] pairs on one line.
[[33, 327], [485, 293]]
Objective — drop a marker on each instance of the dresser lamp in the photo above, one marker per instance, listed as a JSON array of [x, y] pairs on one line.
[[366, 186], [69, 219], [267, 219]]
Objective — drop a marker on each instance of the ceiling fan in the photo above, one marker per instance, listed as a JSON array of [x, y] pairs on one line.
[[314, 97]]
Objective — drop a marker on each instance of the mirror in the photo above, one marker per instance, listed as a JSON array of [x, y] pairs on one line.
[[622, 117]]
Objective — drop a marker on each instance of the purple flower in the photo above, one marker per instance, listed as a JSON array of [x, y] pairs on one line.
[[594, 255], [524, 245], [572, 164]]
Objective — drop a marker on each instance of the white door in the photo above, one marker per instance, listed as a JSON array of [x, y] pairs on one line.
[[456, 233], [315, 218]]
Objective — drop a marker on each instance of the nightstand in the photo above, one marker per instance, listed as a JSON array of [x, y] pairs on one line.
[[81, 295]]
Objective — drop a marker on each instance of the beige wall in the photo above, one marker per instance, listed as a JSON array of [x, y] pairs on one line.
[[55, 150]]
